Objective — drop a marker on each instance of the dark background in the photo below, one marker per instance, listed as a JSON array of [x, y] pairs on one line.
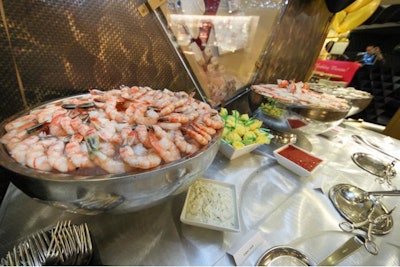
[[382, 80]]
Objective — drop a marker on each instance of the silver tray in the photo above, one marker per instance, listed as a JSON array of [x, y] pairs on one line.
[[371, 164], [358, 212]]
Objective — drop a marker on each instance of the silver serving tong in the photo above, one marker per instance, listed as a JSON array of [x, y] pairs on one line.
[[369, 244], [65, 244]]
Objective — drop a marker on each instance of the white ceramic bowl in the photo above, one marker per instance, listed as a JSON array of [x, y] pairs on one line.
[[298, 160], [232, 153]]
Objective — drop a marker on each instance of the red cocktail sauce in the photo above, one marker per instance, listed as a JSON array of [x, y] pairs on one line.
[[300, 157], [294, 124]]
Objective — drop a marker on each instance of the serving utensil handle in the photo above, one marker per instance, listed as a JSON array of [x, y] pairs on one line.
[[343, 251], [384, 193], [361, 139]]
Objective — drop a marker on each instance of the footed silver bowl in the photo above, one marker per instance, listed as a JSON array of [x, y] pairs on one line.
[[117, 193], [294, 118], [358, 99]]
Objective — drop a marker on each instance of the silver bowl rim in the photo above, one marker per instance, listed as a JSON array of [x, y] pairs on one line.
[[367, 97], [293, 105], [279, 251]]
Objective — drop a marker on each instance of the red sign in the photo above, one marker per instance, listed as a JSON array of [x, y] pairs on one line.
[[337, 70]]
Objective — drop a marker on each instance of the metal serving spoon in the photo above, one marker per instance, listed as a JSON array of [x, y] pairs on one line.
[[357, 195], [361, 140]]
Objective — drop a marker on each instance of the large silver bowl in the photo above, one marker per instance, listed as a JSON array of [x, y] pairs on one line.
[[358, 104], [109, 193], [358, 99], [294, 118]]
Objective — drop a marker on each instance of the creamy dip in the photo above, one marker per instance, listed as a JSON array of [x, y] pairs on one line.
[[211, 203]]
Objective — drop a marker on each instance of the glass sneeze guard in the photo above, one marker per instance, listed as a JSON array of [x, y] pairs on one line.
[[221, 41]]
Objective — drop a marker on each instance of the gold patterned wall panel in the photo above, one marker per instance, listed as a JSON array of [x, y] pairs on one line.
[[63, 48], [11, 100], [296, 42]]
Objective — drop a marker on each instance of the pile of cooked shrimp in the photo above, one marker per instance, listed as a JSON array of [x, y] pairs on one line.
[[119, 130], [301, 94]]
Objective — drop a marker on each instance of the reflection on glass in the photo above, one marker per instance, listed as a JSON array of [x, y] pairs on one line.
[[222, 40]]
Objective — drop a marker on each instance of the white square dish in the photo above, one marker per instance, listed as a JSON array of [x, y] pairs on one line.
[[232, 153], [298, 160], [211, 204]]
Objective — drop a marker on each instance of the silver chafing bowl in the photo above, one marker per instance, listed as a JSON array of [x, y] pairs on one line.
[[358, 105], [112, 193], [358, 99], [295, 118]]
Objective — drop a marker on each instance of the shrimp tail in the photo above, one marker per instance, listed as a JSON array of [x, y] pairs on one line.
[[101, 159], [92, 142]]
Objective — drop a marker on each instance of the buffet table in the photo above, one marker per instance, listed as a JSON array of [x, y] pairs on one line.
[[275, 205]]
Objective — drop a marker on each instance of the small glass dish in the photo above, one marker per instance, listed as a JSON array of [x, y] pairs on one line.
[[211, 204], [298, 160], [231, 153]]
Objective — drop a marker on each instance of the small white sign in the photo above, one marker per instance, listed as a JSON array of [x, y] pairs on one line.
[[241, 251]]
